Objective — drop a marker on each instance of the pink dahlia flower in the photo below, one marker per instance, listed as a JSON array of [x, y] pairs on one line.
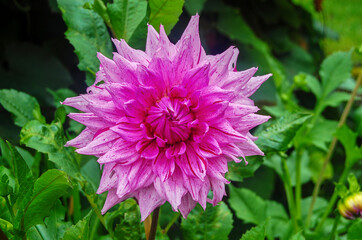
[[165, 122]]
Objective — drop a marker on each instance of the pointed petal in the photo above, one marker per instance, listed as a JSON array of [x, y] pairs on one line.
[[100, 144], [163, 167], [196, 78], [113, 74], [187, 204], [122, 152], [220, 66], [82, 139], [248, 89], [152, 43], [77, 102], [108, 179], [192, 162], [131, 54], [148, 200], [218, 190], [90, 120], [127, 69], [237, 80]]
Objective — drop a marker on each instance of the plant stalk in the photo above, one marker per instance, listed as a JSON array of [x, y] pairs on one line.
[[169, 225], [342, 120], [298, 184], [154, 224], [289, 193]]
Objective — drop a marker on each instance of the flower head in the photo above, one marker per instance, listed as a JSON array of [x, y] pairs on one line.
[[351, 207], [165, 122]]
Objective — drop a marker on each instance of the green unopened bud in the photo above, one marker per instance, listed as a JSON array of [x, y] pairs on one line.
[[351, 207]]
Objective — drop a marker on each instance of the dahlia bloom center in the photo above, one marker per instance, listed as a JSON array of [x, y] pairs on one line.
[[170, 119]]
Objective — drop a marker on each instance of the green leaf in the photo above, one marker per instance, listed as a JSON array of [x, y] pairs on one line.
[[60, 95], [280, 133], [297, 236], [125, 221], [80, 231], [193, 7], [335, 69], [54, 227], [22, 174], [47, 189], [23, 106], [341, 190], [322, 133], [348, 139], [253, 209], [247, 205], [87, 33], [125, 17], [213, 223], [336, 98], [314, 85], [49, 138], [353, 183], [255, 233], [165, 12], [239, 171], [355, 231]]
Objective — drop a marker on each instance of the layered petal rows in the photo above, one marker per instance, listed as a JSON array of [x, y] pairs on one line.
[[165, 122]]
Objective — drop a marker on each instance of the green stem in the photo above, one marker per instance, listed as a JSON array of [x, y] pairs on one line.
[[169, 225], [331, 149], [335, 225], [95, 209], [76, 205], [298, 184], [154, 224], [333, 199], [12, 215], [289, 193]]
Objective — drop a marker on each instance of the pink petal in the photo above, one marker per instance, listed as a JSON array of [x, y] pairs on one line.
[[90, 120], [122, 152], [82, 139], [152, 43], [238, 110], [131, 54], [248, 89], [218, 190], [187, 204], [148, 200], [246, 123], [163, 167], [147, 148], [134, 111], [192, 162], [112, 200], [100, 144], [190, 41], [220, 66], [77, 103], [196, 78], [237, 80], [224, 132], [209, 147], [127, 69], [128, 131], [171, 189], [113, 74], [108, 180]]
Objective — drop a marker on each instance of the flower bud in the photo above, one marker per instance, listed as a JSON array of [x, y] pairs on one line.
[[351, 207]]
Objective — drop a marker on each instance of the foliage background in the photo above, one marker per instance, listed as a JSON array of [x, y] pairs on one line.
[[285, 37]]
